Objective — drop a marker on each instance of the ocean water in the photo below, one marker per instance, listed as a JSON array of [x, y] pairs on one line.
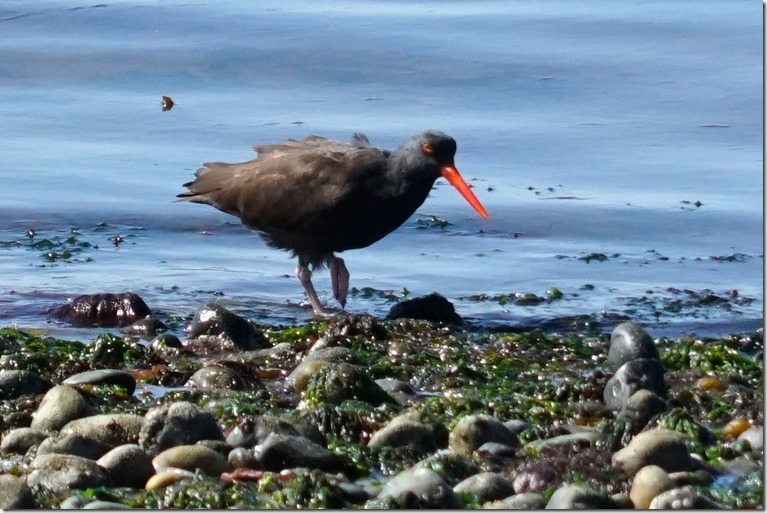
[[629, 130]]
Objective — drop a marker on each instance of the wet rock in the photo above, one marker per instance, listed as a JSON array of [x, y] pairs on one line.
[[495, 456], [60, 405], [402, 391], [20, 440], [74, 445], [222, 377], [279, 452], [110, 428], [648, 483], [168, 477], [347, 326], [694, 478], [60, 472], [453, 467], [518, 501], [100, 505], [629, 341], [561, 442], [265, 425], [516, 426], [641, 374], [17, 383], [572, 496], [420, 488], [146, 327], [180, 423], [104, 377], [661, 447], [128, 465], [215, 327], [487, 486], [433, 307], [165, 342], [300, 377], [74, 502], [339, 382], [240, 457], [733, 429], [642, 406], [104, 310], [15, 494], [535, 478], [684, 498], [474, 430], [337, 354], [754, 436], [192, 458], [403, 431]]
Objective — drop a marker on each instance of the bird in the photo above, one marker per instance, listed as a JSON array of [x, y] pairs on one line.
[[317, 197]]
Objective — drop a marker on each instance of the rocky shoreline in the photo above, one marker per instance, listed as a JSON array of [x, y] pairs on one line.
[[359, 412]]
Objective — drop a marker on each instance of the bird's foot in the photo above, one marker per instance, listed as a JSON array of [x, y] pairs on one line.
[[339, 278]]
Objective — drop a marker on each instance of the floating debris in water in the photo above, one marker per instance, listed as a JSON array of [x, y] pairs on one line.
[[167, 103]]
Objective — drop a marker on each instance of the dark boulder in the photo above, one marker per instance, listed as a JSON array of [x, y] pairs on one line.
[[105, 310]]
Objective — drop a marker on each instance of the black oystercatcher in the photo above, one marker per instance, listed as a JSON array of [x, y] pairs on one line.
[[317, 196]]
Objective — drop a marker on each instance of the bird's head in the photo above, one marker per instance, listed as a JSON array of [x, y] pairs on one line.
[[435, 150]]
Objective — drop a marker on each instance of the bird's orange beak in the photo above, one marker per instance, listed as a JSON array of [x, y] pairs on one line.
[[454, 177]]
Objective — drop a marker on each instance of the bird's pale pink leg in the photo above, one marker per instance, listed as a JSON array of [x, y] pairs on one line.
[[304, 275], [339, 277]]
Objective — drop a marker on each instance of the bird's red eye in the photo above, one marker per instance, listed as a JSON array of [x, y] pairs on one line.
[[427, 149]]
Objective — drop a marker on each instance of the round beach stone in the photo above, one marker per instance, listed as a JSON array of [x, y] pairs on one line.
[[339, 382], [192, 457], [218, 377], [279, 452], [561, 442], [518, 501], [684, 498], [664, 448], [21, 439], [402, 391], [648, 483], [642, 406], [15, 494], [128, 465], [61, 472], [109, 428], [167, 477], [73, 444], [754, 436], [104, 377], [180, 423], [18, 383], [60, 405], [420, 487], [474, 430], [218, 328], [487, 486], [572, 496], [299, 378], [240, 457], [101, 505], [629, 341], [641, 374], [400, 432]]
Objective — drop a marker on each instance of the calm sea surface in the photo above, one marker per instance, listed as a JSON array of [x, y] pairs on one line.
[[627, 129]]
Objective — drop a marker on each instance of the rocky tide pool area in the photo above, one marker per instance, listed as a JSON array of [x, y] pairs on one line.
[[215, 411]]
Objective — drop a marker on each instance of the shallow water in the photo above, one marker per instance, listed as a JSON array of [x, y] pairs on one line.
[[585, 128]]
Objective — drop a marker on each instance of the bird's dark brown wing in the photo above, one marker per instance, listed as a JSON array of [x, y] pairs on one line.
[[292, 191]]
